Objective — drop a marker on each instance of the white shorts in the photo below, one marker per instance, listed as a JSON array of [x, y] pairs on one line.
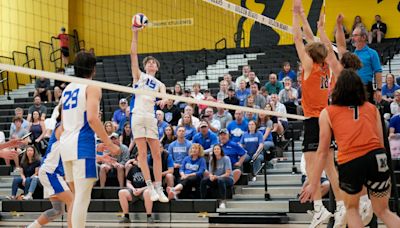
[[80, 169], [53, 183], [144, 127]]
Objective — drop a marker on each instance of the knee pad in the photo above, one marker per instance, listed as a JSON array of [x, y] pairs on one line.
[[56, 211]]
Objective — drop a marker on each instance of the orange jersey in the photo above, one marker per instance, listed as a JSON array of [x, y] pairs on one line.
[[315, 90], [355, 130]]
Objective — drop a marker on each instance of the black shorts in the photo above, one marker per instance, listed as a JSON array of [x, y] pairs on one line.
[[370, 170], [65, 51], [311, 134]]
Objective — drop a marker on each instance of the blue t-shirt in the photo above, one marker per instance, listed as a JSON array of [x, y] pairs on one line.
[[170, 161], [389, 92], [207, 142], [371, 63], [291, 74], [119, 115], [179, 151], [190, 166], [242, 95], [190, 131], [161, 128], [237, 130], [395, 123], [234, 151], [251, 142]]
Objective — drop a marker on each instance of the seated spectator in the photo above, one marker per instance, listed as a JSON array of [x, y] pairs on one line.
[[252, 141], [178, 90], [10, 152], [59, 86], [265, 125], [287, 72], [161, 124], [224, 117], [126, 137], [179, 148], [252, 79], [196, 94], [191, 172], [230, 83], [28, 178], [223, 90], [189, 110], [117, 165], [389, 88], [245, 70], [220, 175], [288, 96], [208, 116], [324, 182], [395, 105], [237, 127], [19, 112], [259, 99], [190, 130], [231, 99], [206, 138], [242, 93], [234, 151], [168, 136], [42, 88], [279, 107], [273, 85], [378, 30], [167, 168], [109, 127], [171, 113], [357, 23], [250, 116], [136, 190], [120, 114], [394, 126], [37, 106], [38, 131]]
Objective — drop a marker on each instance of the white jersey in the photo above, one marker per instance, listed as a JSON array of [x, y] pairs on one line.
[[51, 162], [78, 139], [144, 105]]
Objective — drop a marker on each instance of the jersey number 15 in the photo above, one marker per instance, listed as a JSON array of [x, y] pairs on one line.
[[70, 99]]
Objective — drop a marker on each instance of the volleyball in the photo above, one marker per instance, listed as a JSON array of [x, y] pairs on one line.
[[139, 21]]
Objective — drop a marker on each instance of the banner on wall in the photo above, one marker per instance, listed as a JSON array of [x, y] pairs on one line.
[[171, 23]]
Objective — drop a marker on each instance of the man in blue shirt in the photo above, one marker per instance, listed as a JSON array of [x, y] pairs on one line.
[[205, 137], [234, 151], [371, 64], [179, 148], [238, 127], [119, 114]]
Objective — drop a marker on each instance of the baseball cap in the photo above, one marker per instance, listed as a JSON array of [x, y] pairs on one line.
[[231, 89], [203, 124], [123, 100], [223, 131], [113, 135]]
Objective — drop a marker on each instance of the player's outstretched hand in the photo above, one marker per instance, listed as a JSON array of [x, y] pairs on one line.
[[101, 147], [162, 103], [8, 154], [297, 6], [339, 19]]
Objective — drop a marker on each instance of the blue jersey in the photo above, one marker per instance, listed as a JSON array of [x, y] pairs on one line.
[[190, 166], [251, 142], [51, 162], [179, 150], [208, 141], [237, 130]]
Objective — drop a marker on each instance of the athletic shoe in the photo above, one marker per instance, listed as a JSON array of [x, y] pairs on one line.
[[319, 217], [150, 220], [254, 179], [366, 211], [340, 217], [124, 220], [161, 196], [27, 197], [222, 205], [153, 195], [11, 197]]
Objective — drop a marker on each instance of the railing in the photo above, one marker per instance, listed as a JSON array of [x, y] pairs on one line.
[[223, 49], [14, 55], [204, 60], [26, 64], [3, 81], [42, 44]]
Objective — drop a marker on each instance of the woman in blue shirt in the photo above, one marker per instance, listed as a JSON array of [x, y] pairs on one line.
[[252, 141], [190, 130], [191, 172], [389, 88]]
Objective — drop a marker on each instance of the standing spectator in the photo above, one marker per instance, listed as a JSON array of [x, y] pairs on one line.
[[252, 79], [206, 138], [259, 99], [208, 116], [19, 112], [378, 30], [228, 79], [242, 92], [389, 88], [37, 106], [120, 114], [246, 69], [191, 172], [117, 165], [64, 44], [187, 123], [220, 177], [395, 105], [287, 72], [252, 141], [224, 117], [38, 131], [189, 110], [223, 90], [357, 23], [371, 65], [273, 85], [179, 148], [27, 180], [42, 88], [237, 127], [161, 124], [171, 113], [168, 136], [196, 94], [231, 99], [234, 151]]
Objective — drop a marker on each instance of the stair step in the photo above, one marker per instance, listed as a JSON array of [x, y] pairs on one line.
[[255, 206], [275, 218], [281, 191]]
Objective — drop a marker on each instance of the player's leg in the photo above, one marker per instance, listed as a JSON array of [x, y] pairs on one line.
[[351, 202]]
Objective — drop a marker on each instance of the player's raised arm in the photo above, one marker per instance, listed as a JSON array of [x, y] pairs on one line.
[[134, 56], [307, 31], [340, 37]]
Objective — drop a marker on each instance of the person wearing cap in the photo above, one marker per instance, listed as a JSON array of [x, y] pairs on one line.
[[117, 165], [234, 151], [64, 44], [231, 99], [237, 127], [120, 114], [206, 138]]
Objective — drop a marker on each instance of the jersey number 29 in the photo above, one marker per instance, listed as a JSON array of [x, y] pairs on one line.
[[70, 99]]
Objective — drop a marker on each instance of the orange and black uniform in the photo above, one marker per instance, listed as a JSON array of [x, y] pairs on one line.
[[64, 43], [361, 157], [315, 96]]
